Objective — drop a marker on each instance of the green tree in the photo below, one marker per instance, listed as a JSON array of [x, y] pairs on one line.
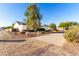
[[13, 25], [7, 27], [33, 20], [67, 24], [62, 24], [52, 25]]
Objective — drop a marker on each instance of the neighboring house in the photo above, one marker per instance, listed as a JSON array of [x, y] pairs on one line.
[[60, 28], [1, 28], [45, 27], [8, 29], [20, 26], [63, 28]]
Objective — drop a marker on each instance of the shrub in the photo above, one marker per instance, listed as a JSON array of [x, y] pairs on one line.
[[30, 30], [41, 29], [72, 35]]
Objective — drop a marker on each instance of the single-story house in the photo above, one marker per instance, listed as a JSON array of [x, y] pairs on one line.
[[63, 28], [8, 28], [20, 26], [45, 27], [1, 28]]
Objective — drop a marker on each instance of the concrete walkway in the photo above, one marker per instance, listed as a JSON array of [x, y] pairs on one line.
[[54, 38]]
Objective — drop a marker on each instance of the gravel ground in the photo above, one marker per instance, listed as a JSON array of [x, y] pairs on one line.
[[46, 45], [30, 48], [54, 38]]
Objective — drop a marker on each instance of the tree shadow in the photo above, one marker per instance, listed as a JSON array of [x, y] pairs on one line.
[[12, 40]]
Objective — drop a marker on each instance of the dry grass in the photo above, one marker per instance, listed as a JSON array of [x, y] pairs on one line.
[[72, 49]]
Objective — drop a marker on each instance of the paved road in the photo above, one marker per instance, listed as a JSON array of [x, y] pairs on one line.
[[54, 38]]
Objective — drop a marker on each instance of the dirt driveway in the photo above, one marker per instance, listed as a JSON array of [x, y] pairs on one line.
[[42, 45], [54, 38]]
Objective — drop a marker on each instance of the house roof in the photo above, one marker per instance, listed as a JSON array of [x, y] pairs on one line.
[[20, 23]]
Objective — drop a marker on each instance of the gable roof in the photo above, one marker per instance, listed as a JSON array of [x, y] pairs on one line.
[[20, 23]]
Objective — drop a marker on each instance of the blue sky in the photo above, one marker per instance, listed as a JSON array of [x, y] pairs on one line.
[[52, 13]]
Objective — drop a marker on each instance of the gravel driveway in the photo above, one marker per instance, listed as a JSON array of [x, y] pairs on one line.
[[54, 38], [41, 45]]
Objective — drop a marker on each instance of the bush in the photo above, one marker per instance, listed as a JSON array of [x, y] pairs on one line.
[[72, 35], [40, 29], [29, 31]]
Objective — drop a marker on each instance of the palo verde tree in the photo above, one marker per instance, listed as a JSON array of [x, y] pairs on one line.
[[52, 25], [33, 20], [67, 24]]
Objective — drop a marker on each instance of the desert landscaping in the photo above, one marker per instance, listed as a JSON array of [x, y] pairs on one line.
[[29, 37], [50, 45], [42, 45]]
